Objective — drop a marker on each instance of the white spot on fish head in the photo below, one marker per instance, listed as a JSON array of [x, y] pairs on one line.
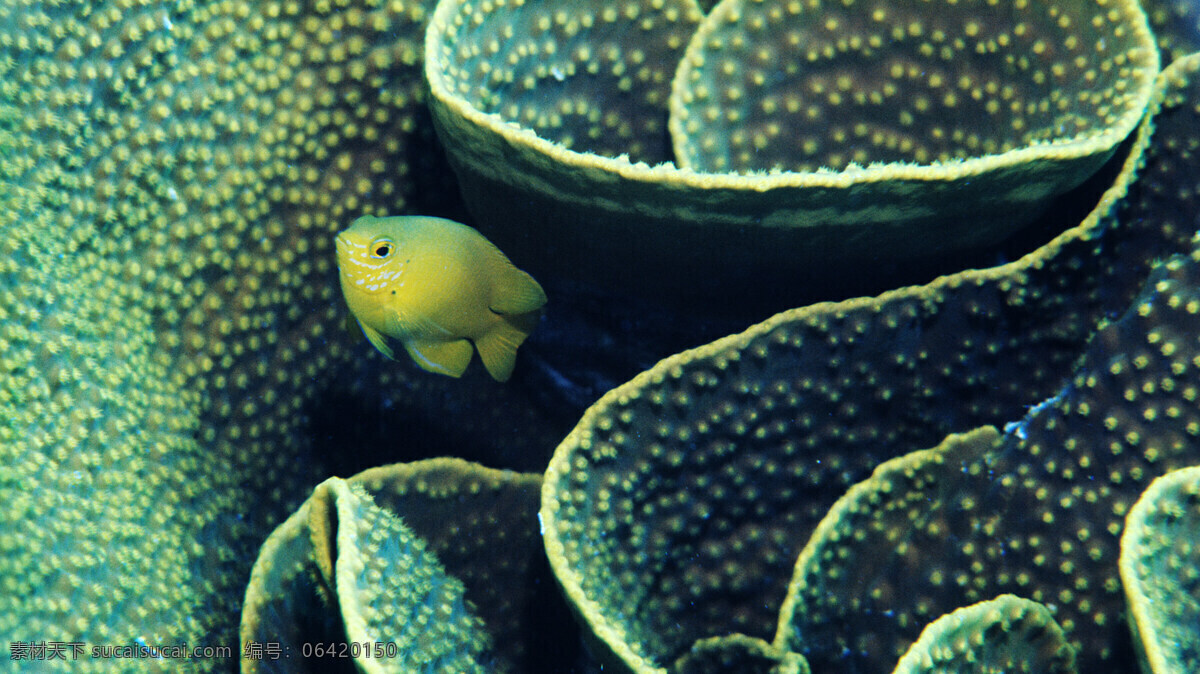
[[357, 266]]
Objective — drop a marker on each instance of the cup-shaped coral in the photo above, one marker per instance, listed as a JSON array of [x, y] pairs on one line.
[[958, 88], [994, 105], [672, 509], [419, 558], [1036, 511], [896, 132]]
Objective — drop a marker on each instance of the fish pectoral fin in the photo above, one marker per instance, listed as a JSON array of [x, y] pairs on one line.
[[377, 340], [498, 348], [515, 292], [418, 325], [449, 358]]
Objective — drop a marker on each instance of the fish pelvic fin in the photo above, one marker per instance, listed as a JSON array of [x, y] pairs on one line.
[[498, 347], [449, 358], [515, 292], [377, 340]]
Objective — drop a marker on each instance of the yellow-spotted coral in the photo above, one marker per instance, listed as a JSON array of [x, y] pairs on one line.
[[423, 558], [675, 509], [1005, 634], [172, 176], [1036, 512], [886, 130], [1160, 571]]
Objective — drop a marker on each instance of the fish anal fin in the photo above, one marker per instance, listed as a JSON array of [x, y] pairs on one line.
[[377, 340], [449, 357], [498, 347], [515, 292]]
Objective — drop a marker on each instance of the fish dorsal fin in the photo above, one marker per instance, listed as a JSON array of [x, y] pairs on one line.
[[498, 347], [377, 340], [441, 357], [515, 292]]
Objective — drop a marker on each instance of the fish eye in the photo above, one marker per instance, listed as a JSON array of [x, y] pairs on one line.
[[381, 248]]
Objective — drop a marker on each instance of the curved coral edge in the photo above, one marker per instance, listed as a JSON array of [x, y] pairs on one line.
[[254, 598], [829, 523], [762, 182], [1059, 149], [1141, 622], [559, 466], [992, 610]]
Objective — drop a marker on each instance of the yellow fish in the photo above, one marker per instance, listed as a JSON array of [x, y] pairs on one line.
[[433, 284]]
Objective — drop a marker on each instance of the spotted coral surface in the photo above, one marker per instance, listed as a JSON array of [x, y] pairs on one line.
[[1038, 511], [1160, 571], [1005, 634], [481, 524], [738, 654], [566, 71], [802, 86], [172, 176], [1176, 26], [695, 483], [376, 575], [711, 233], [675, 507]]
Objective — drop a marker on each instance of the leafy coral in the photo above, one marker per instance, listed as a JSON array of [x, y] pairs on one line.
[[374, 573], [170, 175], [1037, 512], [738, 654], [674, 509], [1160, 571], [1005, 634], [893, 173], [776, 85], [436, 557]]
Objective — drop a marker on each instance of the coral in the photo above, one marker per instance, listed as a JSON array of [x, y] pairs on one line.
[[1005, 634], [773, 85], [566, 71], [109, 501], [172, 177], [1160, 571], [447, 524], [676, 507], [376, 574], [738, 654], [480, 524], [1037, 511], [1176, 26], [714, 237]]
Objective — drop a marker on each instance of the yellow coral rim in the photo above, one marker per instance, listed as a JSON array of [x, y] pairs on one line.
[[1063, 149], [560, 467]]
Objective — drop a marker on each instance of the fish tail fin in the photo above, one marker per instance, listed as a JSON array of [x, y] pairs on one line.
[[498, 347], [515, 292]]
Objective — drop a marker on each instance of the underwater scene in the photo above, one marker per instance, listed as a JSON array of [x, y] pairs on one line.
[[580, 336]]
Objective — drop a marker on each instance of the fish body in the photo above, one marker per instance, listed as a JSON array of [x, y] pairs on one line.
[[436, 286]]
